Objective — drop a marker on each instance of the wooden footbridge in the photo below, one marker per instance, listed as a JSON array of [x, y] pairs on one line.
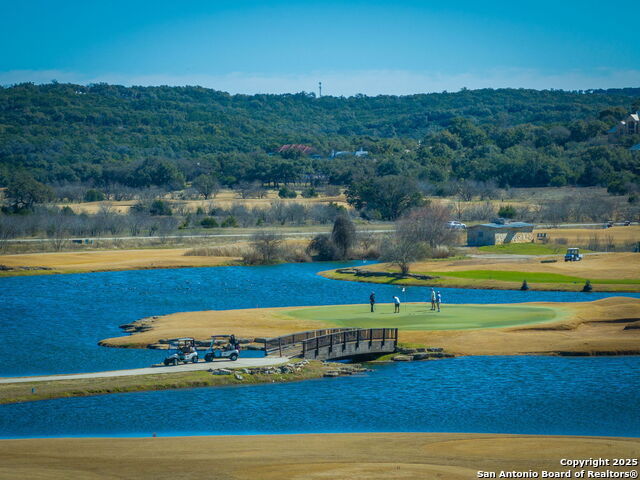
[[333, 343]]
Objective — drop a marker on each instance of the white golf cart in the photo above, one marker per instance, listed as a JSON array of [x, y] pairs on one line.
[[184, 351], [223, 346]]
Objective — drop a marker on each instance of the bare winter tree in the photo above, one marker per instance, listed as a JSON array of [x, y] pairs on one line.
[[467, 189], [427, 224], [9, 229], [58, 232], [251, 190], [267, 245], [136, 223], [166, 226], [206, 185], [402, 251], [483, 212], [556, 211], [367, 240]]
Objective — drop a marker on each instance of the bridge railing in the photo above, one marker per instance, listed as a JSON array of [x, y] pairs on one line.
[[302, 343], [294, 341]]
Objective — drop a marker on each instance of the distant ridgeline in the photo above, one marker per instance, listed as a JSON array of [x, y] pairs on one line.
[[143, 136]]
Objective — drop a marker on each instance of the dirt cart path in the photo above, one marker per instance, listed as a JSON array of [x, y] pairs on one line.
[[190, 367]]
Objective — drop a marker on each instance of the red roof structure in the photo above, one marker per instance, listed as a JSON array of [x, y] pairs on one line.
[[304, 149]]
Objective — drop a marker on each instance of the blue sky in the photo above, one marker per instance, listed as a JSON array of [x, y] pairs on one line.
[[371, 47]]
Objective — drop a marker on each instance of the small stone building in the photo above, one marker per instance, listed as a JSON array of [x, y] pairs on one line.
[[498, 233]]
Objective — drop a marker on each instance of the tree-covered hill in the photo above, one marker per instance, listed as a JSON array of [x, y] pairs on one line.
[[150, 135]]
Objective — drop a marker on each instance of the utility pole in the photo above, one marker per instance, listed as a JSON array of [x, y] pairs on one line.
[[319, 89]]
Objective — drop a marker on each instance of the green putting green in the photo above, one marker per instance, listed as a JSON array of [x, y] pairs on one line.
[[420, 317]]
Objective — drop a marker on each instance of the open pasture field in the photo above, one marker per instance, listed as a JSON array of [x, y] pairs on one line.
[[224, 199]]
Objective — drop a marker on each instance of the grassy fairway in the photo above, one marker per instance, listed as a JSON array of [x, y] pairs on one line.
[[526, 249], [420, 317], [533, 277]]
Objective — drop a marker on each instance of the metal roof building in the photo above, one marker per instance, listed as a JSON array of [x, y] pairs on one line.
[[499, 233]]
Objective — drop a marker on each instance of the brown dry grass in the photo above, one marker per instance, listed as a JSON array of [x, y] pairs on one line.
[[360, 456], [580, 236], [94, 207], [96, 261], [249, 323], [587, 328], [591, 328], [224, 199]]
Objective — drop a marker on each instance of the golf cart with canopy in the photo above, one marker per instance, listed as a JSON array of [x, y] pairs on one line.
[[573, 255], [184, 351], [223, 346]]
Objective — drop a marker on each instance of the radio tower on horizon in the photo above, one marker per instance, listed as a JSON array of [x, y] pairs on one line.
[[319, 89]]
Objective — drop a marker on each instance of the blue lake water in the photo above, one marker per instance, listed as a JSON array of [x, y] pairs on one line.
[[61, 318], [526, 395]]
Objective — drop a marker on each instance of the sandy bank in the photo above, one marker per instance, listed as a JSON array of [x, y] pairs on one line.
[[608, 326], [110, 260], [314, 456]]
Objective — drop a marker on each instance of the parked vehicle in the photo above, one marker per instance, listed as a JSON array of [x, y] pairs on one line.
[[223, 346], [627, 223], [573, 255], [184, 351], [456, 225]]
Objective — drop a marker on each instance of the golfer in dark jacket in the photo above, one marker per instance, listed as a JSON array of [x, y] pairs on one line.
[[372, 300]]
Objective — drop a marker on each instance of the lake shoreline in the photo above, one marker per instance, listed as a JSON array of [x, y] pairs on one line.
[[293, 371], [450, 282]]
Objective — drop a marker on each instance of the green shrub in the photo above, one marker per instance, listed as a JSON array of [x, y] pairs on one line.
[[229, 222], [160, 207], [209, 222], [93, 195], [309, 193], [286, 192], [507, 211], [322, 248]]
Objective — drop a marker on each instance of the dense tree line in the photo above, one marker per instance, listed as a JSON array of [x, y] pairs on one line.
[[111, 138]]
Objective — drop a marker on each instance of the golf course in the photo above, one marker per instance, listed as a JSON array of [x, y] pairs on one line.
[[606, 272], [606, 326]]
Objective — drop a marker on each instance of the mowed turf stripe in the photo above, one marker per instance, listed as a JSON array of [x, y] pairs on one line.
[[532, 277], [420, 317]]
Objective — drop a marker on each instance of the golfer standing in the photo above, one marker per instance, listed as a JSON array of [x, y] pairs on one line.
[[433, 299], [396, 304], [438, 300], [372, 300]]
